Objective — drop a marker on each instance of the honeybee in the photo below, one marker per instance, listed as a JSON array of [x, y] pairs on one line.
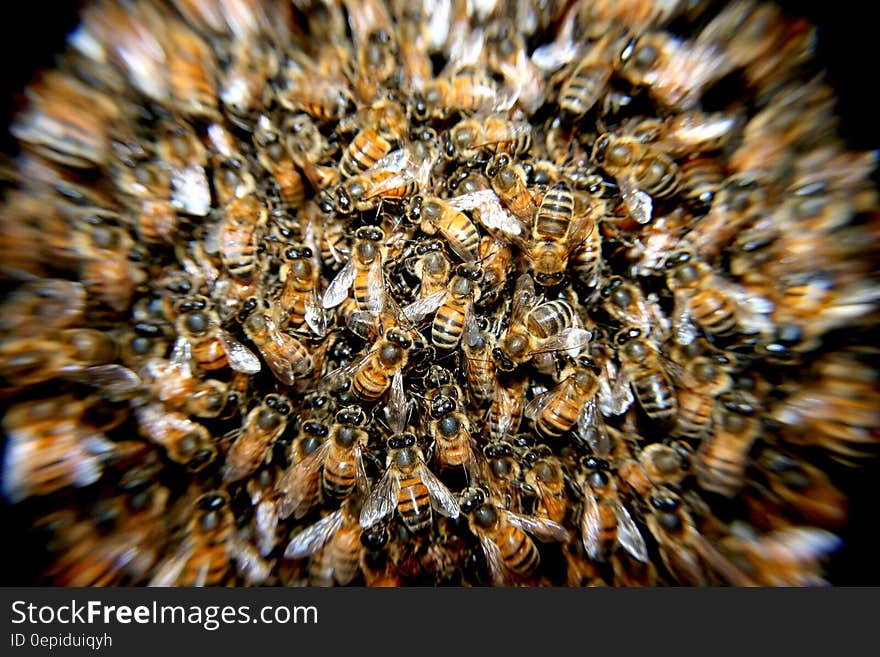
[[605, 523], [323, 97], [363, 271], [237, 234], [479, 366], [203, 339], [537, 328], [701, 180], [299, 486], [504, 536], [365, 149], [374, 372], [299, 297], [333, 543], [494, 133], [183, 154], [286, 356], [704, 380], [570, 403], [106, 270], [468, 91], [454, 306], [243, 83], [431, 266], [390, 180], [42, 306], [588, 80], [509, 183], [496, 258], [186, 442], [435, 215], [273, 155], [645, 372], [50, 447], [711, 302], [793, 483], [211, 550], [641, 171], [454, 447], [546, 479], [687, 555], [261, 489], [192, 73], [252, 444], [377, 64]]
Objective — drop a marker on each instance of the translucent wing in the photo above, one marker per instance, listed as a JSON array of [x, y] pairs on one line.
[[537, 405], [316, 315], [375, 286], [441, 498], [523, 299], [571, 340], [266, 519], [621, 394], [293, 484], [419, 309], [591, 429], [457, 246], [381, 501], [241, 359], [628, 534], [683, 327], [591, 525], [111, 378], [471, 333], [396, 409], [494, 560], [337, 291], [542, 528], [638, 203], [493, 216], [189, 191], [313, 538]]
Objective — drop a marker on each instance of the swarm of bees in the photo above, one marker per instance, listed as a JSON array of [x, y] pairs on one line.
[[436, 292]]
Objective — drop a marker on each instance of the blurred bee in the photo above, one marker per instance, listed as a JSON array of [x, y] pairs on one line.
[[299, 300], [50, 447], [644, 372], [237, 234], [545, 478], [507, 56], [363, 272], [701, 180], [184, 155], [704, 380], [625, 302], [286, 355], [106, 270], [666, 464], [323, 97], [192, 73], [504, 536], [377, 60], [186, 442], [587, 80], [689, 558], [211, 550], [41, 306], [264, 501], [435, 215], [710, 302], [174, 383], [233, 179], [273, 155], [333, 543], [790, 483], [299, 486], [252, 444], [537, 327], [310, 150], [495, 133], [642, 172], [469, 91], [605, 523], [203, 339], [244, 80]]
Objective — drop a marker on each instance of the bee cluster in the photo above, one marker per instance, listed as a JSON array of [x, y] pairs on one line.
[[436, 292]]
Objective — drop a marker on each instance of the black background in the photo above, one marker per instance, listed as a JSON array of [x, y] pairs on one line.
[[33, 31]]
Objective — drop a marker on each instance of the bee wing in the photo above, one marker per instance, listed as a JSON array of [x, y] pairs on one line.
[[493, 216], [419, 309], [381, 501], [337, 291], [375, 286], [638, 203], [293, 484], [683, 327], [361, 480], [313, 538], [189, 191], [591, 429], [396, 410], [441, 498], [266, 519], [571, 340], [168, 572], [471, 333], [495, 561], [621, 394], [542, 528], [537, 405], [457, 246], [591, 524], [628, 534], [111, 378], [241, 359], [316, 315], [523, 299], [334, 377], [250, 564]]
